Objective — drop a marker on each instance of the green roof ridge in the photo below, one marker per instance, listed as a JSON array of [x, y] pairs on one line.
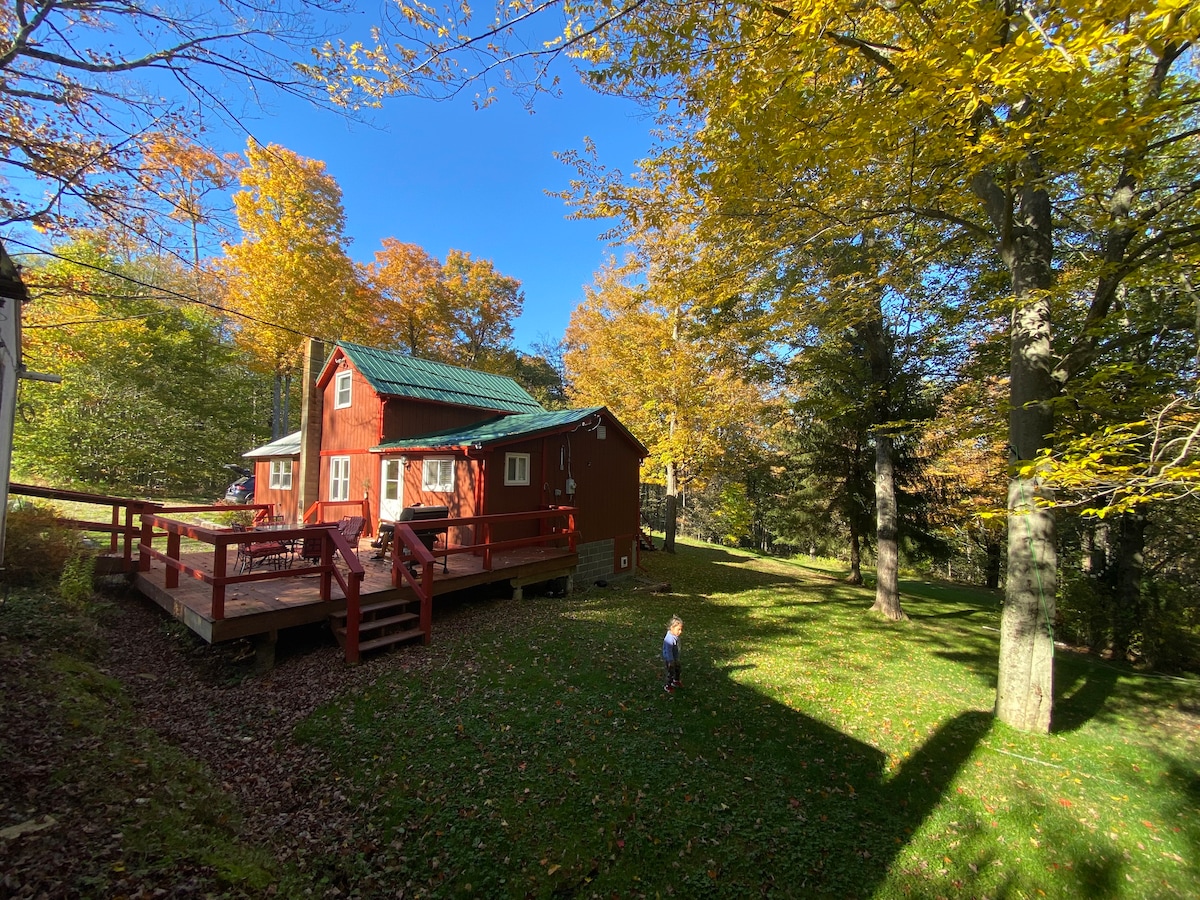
[[396, 374]]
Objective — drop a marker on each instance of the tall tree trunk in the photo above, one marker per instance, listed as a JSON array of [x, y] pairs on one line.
[[1127, 596], [1099, 564], [1095, 548], [855, 576], [887, 584], [1025, 682], [874, 334], [671, 524], [993, 549], [286, 414], [275, 405], [671, 510]]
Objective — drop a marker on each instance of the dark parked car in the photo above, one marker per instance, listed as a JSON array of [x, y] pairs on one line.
[[242, 490]]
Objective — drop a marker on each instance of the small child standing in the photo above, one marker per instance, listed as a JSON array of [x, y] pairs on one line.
[[670, 653]]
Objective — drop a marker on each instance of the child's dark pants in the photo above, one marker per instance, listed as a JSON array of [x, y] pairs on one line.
[[672, 672]]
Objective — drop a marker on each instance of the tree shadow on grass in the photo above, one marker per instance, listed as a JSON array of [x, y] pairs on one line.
[[708, 569], [718, 790], [837, 819], [950, 614], [797, 807], [1082, 688], [854, 833]]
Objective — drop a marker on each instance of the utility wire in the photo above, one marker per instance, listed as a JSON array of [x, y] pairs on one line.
[[162, 290], [104, 321]]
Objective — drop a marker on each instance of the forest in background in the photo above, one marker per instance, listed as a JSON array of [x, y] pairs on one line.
[[906, 285]]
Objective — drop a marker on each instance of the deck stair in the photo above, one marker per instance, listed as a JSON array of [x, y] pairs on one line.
[[384, 623]]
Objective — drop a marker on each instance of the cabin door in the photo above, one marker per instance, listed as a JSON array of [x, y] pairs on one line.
[[391, 489]]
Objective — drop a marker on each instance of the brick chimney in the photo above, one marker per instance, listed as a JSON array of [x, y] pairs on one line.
[[310, 427]]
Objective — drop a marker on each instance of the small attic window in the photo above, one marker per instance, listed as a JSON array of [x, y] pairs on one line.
[[601, 432], [341, 384]]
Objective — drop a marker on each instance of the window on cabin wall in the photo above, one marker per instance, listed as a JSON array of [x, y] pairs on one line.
[[516, 468], [392, 479], [438, 475], [341, 383], [339, 478], [281, 474]]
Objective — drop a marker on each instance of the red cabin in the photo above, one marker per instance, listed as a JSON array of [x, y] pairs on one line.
[[395, 431]]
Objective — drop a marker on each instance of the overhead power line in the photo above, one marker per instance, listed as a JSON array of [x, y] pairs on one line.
[[162, 290]]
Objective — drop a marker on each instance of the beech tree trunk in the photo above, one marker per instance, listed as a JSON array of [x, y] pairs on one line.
[[874, 334], [887, 583], [855, 576], [1025, 682], [994, 550], [276, 388], [671, 512], [1127, 594], [671, 509], [286, 412]]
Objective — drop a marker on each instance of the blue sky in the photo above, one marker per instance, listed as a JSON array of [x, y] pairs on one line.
[[444, 175]]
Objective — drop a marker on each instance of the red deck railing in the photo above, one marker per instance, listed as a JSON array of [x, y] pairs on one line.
[[122, 524], [137, 523], [407, 548], [333, 544], [318, 511]]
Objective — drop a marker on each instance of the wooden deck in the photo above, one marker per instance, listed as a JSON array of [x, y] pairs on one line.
[[263, 607], [338, 580]]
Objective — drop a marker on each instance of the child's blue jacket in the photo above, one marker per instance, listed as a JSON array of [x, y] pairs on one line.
[[671, 648]]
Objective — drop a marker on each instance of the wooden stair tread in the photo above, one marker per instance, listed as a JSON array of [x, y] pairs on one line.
[[377, 606], [389, 639], [376, 624]]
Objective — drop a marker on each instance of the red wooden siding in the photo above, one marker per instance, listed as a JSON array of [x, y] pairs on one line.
[[502, 498], [364, 480], [404, 418], [349, 432], [357, 426], [604, 471], [285, 500], [460, 502]]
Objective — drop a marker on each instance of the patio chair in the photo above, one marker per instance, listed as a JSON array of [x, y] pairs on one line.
[[351, 528], [310, 547], [291, 544], [266, 553]]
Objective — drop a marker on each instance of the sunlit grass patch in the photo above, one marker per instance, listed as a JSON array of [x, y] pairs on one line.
[[814, 748]]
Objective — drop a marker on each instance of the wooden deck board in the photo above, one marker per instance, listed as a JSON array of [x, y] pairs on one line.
[[261, 607]]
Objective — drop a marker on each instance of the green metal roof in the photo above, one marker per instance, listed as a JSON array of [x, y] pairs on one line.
[[397, 375], [500, 430]]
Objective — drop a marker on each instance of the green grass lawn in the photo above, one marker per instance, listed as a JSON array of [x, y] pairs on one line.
[[530, 751], [813, 749]]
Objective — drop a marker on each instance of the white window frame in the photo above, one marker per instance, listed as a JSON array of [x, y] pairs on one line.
[[342, 389], [281, 475], [339, 478], [437, 475], [516, 469], [387, 482]]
